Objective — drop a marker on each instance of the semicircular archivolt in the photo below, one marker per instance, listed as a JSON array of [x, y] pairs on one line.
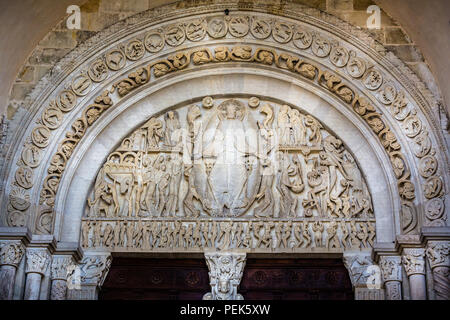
[[232, 173], [319, 47]]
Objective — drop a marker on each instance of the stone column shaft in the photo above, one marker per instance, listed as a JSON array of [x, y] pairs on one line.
[[33, 286]]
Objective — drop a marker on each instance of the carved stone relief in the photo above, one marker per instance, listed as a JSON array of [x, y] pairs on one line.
[[225, 274], [240, 26], [287, 183]]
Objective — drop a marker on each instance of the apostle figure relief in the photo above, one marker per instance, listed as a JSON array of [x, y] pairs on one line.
[[230, 174]]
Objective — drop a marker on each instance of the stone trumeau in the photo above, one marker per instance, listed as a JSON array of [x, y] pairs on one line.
[[228, 130]]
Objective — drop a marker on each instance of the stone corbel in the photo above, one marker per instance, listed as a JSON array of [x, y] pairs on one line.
[[11, 254], [88, 276], [37, 264], [225, 274], [365, 275]]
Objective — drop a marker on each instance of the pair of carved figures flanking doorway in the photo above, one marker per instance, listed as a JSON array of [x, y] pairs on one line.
[[244, 133]]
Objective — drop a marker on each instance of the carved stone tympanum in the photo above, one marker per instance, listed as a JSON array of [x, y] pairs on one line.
[[230, 174]]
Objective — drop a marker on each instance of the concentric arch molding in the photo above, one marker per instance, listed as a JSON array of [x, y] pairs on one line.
[[344, 60]]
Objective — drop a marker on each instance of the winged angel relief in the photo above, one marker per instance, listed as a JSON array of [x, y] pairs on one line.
[[230, 159]]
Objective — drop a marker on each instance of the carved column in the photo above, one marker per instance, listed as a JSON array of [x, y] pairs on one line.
[[86, 279], [225, 274], [11, 254], [37, 263], [414, 263], [59, 271], [438, 256], [365, 276], [391, 271]]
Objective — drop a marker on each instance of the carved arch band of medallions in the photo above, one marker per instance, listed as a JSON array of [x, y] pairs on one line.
[[231, 173], [310, 44]]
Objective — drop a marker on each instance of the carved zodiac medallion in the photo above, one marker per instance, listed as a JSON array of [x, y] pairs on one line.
[[52, 117], [196, 30], [373, 79], [238, 26], [154, 42], [412, 126], [260, 28], [175, 36], [321, 47], [356, 67], [31, 156], [24, 177], [41, 136], [81, 85], [339, 56], [19, 199], [115, 59], [98, 70], [302, 39], [217, 28], [282, 32], [66, 100], [134, 50]]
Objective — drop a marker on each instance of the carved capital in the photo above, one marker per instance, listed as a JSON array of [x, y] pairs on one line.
[[364, 273], [391, 269], [60, 267], [38, 261], [438, 254], [414, 261], [11, 253], [225, 274], [94, 269]]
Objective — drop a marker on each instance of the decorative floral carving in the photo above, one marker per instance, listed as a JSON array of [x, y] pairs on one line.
[[60, 267]]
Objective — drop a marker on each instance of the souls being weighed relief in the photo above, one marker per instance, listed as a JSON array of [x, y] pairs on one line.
[[238, 159]]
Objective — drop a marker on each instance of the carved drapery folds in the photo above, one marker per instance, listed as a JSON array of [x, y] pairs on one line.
[[225, 274], [438, 254], [176, 182]]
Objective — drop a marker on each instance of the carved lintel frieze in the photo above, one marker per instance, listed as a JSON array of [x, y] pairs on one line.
[[38, 261], [414, 261], [225, 274], [11, 253], [61, 267]]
